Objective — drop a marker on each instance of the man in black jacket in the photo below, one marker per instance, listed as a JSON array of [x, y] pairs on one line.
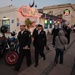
[[39, 43], [54, 33], [24, 38], [67, 30]]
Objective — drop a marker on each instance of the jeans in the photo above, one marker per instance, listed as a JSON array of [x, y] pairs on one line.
[[59, 53]]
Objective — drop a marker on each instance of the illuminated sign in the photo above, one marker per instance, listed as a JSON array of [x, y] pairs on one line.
[[29, 12], [51, 21], [45, 24], [45, 21], [66, 12]]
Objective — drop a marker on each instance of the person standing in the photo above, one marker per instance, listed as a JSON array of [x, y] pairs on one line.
[[67, 30], [60, 42], [55, 33], [39, 43], [34, 31], [24, 38]]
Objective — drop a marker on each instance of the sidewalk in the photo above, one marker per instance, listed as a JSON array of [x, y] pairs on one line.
[[47, 68], [73, 70], [68, 64]]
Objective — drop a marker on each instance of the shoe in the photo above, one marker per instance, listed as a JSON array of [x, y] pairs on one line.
[[15, 69], [36, 65], [29, 65], [61, 62]]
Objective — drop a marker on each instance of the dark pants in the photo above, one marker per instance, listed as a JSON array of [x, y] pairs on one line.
[[21, 57], [68, 38], [59, 52], [53, 40], [39, 50]]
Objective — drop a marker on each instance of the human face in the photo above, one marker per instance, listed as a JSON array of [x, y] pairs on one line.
[[22, 27], [39, 28]]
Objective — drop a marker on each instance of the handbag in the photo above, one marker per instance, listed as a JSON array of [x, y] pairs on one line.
[[62, 43]]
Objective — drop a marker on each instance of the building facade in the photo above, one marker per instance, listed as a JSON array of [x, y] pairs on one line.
[[12, 16], [65, 11]]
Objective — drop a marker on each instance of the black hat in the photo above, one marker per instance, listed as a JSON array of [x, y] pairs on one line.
[[39, 25], [13, 33]]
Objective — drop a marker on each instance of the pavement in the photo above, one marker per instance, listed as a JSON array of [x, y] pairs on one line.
[[73, 70], [47, 67]]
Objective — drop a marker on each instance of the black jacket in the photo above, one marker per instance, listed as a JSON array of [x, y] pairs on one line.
[[39, 39], [55, 32], [24, 39]]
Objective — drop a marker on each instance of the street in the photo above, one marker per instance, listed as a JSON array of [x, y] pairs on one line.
[[19, 18], [6, 69]]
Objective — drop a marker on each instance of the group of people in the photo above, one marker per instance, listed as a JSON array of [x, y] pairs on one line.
[[39, 40], [66, 30], [60, 38]]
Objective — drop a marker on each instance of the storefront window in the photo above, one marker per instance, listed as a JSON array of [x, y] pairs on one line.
[[50, 23], [45, 24], [6, 23]]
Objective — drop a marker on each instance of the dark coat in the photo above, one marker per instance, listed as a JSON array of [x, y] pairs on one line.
[[34, 32], [54, 33], [67, 31], [24, 39], [39, 39]]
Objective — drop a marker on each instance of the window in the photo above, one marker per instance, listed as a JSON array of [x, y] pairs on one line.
[[45, 24], [6, 23]]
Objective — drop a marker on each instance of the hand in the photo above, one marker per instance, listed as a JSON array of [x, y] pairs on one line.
[[32, 39], [26, 47], [47, 47]]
